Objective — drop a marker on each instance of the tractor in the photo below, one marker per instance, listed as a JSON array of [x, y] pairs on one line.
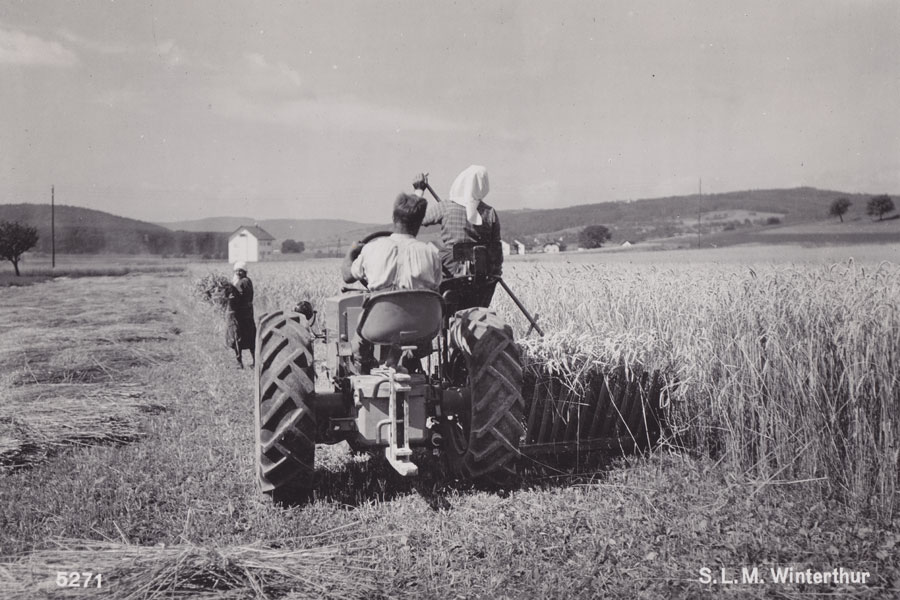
[[436, 373]]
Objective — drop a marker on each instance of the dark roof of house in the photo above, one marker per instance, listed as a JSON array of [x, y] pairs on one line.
[[254, 230]]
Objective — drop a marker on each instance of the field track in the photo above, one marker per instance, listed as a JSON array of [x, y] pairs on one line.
[[164, 503], [72, 353]]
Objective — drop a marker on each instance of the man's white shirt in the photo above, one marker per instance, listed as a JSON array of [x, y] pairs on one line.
[[398, 262]]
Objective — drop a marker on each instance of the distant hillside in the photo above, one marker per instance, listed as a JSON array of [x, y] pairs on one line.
[[306, 230], [656, 218], [73, 216], [86, 231], [327, 236], [220, 224], [724, 219], [749, 213]]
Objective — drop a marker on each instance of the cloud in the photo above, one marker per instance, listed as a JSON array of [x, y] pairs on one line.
[[121, 97], [264, 91], [166, 49], [19, 48], [540, 191], [102, 47], [170, 52], [345, 114], [256, 74]]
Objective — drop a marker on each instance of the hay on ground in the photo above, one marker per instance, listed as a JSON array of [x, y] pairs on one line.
[[38, 420], [130, 572]]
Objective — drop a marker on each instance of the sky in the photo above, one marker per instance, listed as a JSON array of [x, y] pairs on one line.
[[175, 110]]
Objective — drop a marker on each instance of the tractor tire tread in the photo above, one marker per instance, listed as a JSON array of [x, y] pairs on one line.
[[285, 420], [495, 375]]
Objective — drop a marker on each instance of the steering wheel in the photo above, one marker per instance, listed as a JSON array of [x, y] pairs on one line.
[[362, 243], [373, 236]]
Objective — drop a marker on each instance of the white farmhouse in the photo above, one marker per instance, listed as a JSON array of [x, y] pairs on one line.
[[505, 247], [520, 246], [249, 243]]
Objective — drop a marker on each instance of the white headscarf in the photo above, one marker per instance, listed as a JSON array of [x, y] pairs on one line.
[[468, 189], [240, 266]]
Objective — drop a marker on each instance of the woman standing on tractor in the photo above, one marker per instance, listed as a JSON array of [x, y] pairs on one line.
[[466, 219]]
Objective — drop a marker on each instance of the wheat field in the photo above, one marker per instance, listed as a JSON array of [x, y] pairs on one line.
[[785, 372], [780, 446]]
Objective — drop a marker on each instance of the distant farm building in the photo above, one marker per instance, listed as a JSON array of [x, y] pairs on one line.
[[551, 248], [250, 243], [626, 245], [520, 247], [505, 247]]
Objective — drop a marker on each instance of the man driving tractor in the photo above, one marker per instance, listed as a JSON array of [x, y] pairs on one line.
[[398, 261], [395, 262]]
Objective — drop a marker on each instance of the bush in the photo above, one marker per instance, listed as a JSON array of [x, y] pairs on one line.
[[879, 206], [593, 236], [292, 247]]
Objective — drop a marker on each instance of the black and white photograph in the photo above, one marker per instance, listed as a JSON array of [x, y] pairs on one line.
[[481, 299]]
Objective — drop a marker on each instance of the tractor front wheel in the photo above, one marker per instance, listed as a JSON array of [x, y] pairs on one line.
[[285, 417], [482, 441]]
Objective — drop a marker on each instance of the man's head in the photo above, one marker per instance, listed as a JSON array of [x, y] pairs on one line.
[[409, 211], [240, 267]]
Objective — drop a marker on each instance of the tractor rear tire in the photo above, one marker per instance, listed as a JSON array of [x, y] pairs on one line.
[[285, 414], [483, 444]]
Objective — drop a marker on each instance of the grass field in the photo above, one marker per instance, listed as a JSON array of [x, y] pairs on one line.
[[40, 268], [126, 443]]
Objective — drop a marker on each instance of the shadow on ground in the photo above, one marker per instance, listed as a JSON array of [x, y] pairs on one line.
[[362, 479]]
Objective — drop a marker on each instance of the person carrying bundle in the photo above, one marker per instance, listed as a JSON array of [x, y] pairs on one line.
[[240, 327]]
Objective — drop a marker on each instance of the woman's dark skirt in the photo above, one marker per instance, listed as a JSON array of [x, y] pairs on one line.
[[240, 333]]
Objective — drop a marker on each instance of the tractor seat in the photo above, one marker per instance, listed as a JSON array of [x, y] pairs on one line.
[[401, 318]]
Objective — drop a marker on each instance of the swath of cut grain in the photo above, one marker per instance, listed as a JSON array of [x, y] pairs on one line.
[[131, 572], [39, 420]]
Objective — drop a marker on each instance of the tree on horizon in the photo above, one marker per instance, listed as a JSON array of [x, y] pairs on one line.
[[839, 208], [879, 206], [15, 240], [292, 247], [593, 236]]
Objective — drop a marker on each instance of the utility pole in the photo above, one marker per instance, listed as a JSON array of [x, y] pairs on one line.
[[699, 196], [53, 226]]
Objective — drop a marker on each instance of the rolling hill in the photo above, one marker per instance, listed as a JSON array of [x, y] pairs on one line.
[[307, 230], [655, 218], [86, 231], [722, 217], [763, 216]]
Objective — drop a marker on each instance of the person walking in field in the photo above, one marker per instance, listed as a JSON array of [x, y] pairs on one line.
[[466, 218], [240, 332]]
